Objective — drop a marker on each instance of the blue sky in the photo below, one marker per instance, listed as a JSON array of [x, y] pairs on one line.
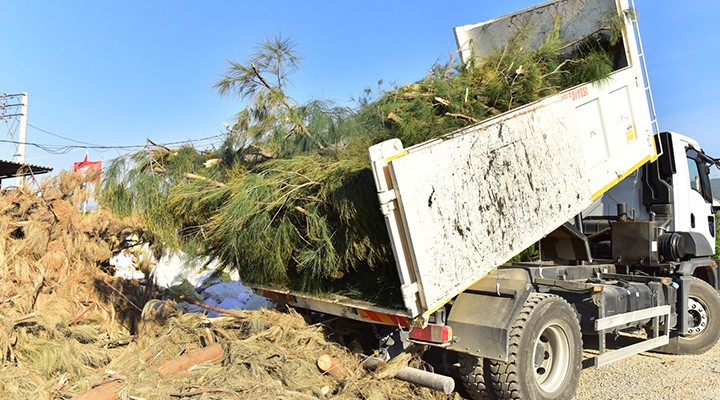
[[116, 73]]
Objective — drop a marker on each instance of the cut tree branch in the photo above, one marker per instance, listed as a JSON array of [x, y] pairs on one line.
[[461, 116], [190, 175], [211, 308]]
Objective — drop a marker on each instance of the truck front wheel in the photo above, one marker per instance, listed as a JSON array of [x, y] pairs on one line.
[[703, 319], [545, 352]]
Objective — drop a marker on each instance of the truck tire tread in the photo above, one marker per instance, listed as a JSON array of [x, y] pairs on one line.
[[504, 375], [474, 374]]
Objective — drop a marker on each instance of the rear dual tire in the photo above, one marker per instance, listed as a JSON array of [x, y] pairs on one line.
[[545, 356]]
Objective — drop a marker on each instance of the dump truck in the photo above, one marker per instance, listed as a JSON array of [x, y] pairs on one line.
[[621, 215]]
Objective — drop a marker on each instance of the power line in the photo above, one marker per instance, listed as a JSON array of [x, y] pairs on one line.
[[60, 136], [100, 146], [63, 149]]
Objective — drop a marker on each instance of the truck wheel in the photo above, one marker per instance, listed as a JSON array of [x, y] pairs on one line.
[[474, 373], [545, 352], [703, 319]]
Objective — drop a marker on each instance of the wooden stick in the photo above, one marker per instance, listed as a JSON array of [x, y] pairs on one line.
[[461, 116], [211, 308], [222, 333], [9, 345], [82, 314], [11, 298], [200, 391], [61, 384], [562, 64], [330, 366], [442, 101], [36, 292], [24, 318], [196, 357], [209, 336]]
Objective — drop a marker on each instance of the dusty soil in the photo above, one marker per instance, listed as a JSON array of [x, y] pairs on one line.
[[654, 376], [646, 376]]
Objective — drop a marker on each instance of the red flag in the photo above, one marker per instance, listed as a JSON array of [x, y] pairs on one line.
[[86, 166]]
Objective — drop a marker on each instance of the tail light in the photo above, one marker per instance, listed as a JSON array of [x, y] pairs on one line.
[[432, 333]]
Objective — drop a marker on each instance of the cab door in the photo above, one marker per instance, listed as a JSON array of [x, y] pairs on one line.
[[693, 196]]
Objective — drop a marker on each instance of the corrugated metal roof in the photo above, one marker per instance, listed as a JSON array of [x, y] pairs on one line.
[[11, 169]]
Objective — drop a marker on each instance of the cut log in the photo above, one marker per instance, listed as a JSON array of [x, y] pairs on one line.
[[185, 362], [106, 391], [330, 366], [416, 376]]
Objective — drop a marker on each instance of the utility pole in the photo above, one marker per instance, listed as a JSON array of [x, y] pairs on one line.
[[22, 129], [16, 105]]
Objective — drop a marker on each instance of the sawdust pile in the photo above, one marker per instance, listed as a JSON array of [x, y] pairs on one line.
[[67, 325]]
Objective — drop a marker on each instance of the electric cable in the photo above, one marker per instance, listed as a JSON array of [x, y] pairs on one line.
[[60, 136], [63, 149]]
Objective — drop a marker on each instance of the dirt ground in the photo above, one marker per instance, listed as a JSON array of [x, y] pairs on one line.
[[654, 376], [645, 376]]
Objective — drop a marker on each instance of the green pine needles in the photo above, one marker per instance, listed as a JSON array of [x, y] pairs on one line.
[[289, 198]]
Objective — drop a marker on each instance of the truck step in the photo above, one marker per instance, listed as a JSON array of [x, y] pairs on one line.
[[631, 350], [603, 325]]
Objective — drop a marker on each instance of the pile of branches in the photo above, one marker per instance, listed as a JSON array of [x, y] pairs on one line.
[[289, 199], [68, 329], [264, 354], [56, 302]]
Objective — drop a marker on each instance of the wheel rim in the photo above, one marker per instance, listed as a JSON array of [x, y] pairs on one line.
[[551, 358], [697, 317]]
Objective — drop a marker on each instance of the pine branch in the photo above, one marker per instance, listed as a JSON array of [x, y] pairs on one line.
[[557, 69], [287, 105]]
